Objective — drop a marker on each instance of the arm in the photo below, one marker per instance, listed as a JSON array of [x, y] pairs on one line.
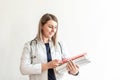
[[26, 67]]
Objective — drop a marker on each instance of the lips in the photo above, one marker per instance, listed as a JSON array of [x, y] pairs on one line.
[[51, 33]]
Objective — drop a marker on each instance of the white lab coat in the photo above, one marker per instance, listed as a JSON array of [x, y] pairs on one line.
[[34, 70]]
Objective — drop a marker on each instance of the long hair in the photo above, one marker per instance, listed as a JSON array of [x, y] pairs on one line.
[[46, 17]]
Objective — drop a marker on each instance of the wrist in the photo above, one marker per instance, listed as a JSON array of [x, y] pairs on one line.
[[45, 67], [75, 74]]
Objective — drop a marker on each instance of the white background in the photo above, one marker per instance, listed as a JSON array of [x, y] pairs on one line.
[[90, 26]]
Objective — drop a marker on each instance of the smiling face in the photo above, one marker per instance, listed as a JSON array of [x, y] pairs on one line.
[[49, 29]]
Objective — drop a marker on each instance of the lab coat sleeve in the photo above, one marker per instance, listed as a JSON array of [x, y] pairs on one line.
[[26, 67]]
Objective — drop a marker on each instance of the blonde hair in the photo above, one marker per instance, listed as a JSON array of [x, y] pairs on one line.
[[46, 17]]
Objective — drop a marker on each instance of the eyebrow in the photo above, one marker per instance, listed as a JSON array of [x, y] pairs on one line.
[[52, 25]]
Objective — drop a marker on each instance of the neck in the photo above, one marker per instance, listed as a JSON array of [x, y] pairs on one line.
[[45, 40]]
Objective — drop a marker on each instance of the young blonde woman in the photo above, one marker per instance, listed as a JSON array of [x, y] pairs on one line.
[[41, 55]]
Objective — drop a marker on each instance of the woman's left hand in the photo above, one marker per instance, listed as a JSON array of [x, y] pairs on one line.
[[72, 67]]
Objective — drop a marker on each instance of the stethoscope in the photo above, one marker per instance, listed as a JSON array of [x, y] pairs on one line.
[[34, 42]]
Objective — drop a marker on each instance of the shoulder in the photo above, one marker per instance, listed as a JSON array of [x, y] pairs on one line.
[[31, 42], [27, 44], [62, 43], [63, 48]]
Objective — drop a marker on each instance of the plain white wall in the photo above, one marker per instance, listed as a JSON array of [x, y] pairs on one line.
[[91, 26]]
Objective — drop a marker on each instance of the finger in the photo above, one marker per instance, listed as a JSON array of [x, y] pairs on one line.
[[68, 67], [77, 66], [55, 63], [72, 64]]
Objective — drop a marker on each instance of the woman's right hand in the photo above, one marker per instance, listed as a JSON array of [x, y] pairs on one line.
[[53, 64]]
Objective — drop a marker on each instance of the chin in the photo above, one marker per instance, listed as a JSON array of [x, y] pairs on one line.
[[50, 37]]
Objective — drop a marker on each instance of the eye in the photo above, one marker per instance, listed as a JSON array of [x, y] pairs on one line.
[[55, 27], [50, 26]]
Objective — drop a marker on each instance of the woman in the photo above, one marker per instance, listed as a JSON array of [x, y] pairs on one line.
[[42, 55]]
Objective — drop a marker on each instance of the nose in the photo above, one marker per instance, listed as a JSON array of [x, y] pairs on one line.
[[53, 29]]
